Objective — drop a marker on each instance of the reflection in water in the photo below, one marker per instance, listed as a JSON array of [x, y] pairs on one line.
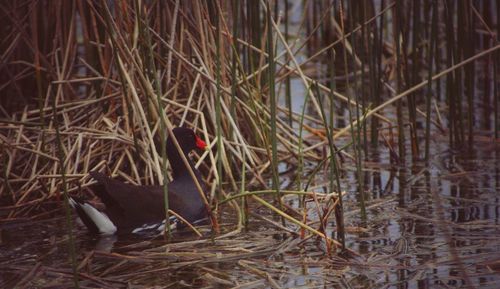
[[105, 243], [424, 229], [447, 216]]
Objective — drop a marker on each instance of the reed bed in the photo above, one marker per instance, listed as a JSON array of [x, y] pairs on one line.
[[99, 85], [102, 104]]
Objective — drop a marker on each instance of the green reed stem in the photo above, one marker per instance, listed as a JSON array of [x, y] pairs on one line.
[[496, 59], [415, 56], [334, 174], [218, 98], [450, 79], [351, 126], [459, 45], [159, 107], [245, 194], [300, 146], [272, 98], [38, 77], [429, 79], [364, 91], [300, 153], [469, 48], [69, 223], [234, 59], [254, 28], [378, 41], [4, 160], [244, 217], [358, 152], [399, 80], [288, 84]]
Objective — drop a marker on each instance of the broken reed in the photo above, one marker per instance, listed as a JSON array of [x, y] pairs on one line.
[[141, 58]]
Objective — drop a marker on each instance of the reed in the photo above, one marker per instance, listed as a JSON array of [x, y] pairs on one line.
[[153, 74], [218, 97], [234, 58], [496, 97], [334, 174], [354, 134], [300, 158], [430, 58], [288, 84], [67, 210], [127, 73], [398, 42], [364, 59], [415, 68], [272, 99]]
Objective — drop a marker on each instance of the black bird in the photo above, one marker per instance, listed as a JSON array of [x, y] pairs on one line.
[[138, 209]]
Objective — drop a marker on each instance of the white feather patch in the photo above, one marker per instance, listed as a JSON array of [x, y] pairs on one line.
[[156, 227], [100, 219]]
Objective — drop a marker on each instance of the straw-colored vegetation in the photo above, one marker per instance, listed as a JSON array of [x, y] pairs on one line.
[[98, 85]]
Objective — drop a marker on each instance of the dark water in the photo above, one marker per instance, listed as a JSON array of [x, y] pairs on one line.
[[446, 215], [434, 226], [430, 225]]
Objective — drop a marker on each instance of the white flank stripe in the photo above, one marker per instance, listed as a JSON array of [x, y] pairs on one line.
[[158, 227], [173, 225], [100, 219]]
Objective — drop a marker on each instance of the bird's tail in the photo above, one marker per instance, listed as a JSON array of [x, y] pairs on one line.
[[95, 220]]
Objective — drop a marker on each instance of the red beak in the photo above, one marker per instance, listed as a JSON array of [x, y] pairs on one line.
[[200, 143]]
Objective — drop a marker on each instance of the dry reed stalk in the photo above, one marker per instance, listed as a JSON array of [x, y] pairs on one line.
[[109, 118], [307, 80], [423, 84]]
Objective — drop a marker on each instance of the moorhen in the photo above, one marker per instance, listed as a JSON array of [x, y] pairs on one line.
[[140, 209]]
